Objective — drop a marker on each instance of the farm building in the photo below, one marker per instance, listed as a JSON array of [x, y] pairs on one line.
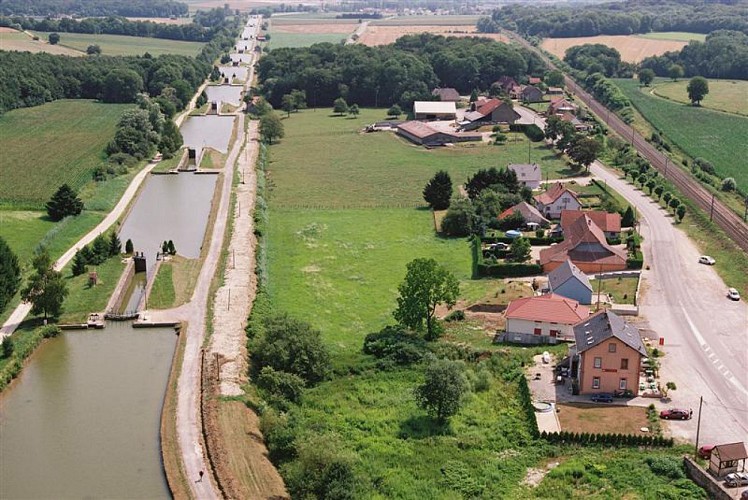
[[528, 174], [578, 124], [506, 83], [529, 213], [569, 281], [585, 245], [424, 134], [727, 458], [446, 94], [487, 112], [554, 91], [531, 94], [434, 110]]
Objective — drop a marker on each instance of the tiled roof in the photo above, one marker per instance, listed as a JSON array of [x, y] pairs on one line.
[[610, 223], [526, 171], [583, 241], [418, 129], [446, 94], [550, 308], [732, 451], [489, 106], [534, 80], [553, 193], [603, 326], [529, 212], [564, 273]]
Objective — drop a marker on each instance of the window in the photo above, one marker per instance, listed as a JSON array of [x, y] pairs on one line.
[[598, 362], [612, 347], [554, 333], [625, 364], [622, 384], [538, 331], [595, 382]]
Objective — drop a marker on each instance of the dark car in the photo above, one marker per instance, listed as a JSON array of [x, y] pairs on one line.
[[603, 397], [675, 414], [705, 451]]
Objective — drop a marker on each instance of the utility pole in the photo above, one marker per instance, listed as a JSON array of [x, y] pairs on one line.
[[698, 427], [529, 144]]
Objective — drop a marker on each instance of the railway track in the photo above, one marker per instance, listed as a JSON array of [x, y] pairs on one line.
[[730, 222]]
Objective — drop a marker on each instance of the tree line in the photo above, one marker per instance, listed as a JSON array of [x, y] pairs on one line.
[[131, 8], [622, 18], [394, 74]]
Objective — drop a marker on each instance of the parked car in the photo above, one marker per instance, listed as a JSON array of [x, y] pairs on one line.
[[705, 451], [675, 414], [603, 397], [705, 259], [736, 479], [498, 246], [733, 294]]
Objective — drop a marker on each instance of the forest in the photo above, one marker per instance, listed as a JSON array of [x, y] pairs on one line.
[[394, 74], [623, 18], [95, 8], [724, 54]]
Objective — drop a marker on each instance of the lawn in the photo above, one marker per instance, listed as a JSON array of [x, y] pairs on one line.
[[122, 45], [621, 290], [681, 36], [699, 132], [46, 146], [724, 95], [84, 299], [329, 162], [285, 40], [174, 283]]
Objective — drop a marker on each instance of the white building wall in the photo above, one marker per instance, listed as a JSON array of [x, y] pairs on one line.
[[514, 325]]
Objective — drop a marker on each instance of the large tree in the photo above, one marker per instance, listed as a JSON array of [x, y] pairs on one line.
[[697, 89], [340, 106], [438, 191], [675, 71], [10, 274], [46, 289], [646, 76], [584, 151], [443, 392], [426, 285], [64, 202], [122, 85], [271, 127]]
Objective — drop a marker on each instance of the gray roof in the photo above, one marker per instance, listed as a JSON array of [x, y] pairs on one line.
[[527, 171], [603, 326], [564, 273], [446, 94]]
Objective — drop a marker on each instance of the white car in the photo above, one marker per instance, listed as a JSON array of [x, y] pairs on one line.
[[733, 294], [705, 259], [736, 479]]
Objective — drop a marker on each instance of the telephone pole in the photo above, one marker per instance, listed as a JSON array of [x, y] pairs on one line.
[[698, 427]]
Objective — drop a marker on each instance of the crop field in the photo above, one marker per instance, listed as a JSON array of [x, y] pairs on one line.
[[633, 48], [699, 132], [427, 21], [730, 96], [286, 40], [312, 28], [121, 45], [11, 39], [327, 161], [46, 146], [681, 36], [386, 34]]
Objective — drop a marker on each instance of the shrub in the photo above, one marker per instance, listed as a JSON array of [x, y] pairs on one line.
[[455, 316], [280, 386], [322, 470], [670, 467], [395, 344], [728, 184]]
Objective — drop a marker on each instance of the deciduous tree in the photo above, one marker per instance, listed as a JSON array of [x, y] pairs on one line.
[[584, 151], [394, 111], [271, 127], [46, 289], [340, 106], [675, 71], [646, 76], [354, 110], [287, 104], [520, 249], [54, 38], [697, 89], [444, 390], [10, 274]]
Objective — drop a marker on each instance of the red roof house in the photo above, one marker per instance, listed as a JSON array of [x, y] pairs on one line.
[[555, 199], [550, 315], [609, 223], [586, 247]]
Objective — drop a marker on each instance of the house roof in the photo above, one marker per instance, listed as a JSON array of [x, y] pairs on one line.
[[556, 90], [606, 325], [583, 241], [732, 451], [560, 104], [610, 223], [418, 129], [553, 193], [564, 273], [528, 212], [551, 308], [568, 117], [526, 171], [473, 115], [446, 94], [507, 82], [534, 80], [434, 107], [529, 89]]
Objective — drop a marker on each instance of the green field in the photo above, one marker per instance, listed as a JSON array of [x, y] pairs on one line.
[[724, 95], [327, 161], [699, 132], [675, 35], [46, 146], [285, 40], [121, 45], [427, 21], [84, 299]]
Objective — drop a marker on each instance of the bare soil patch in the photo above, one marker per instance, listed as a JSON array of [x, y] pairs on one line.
[[383, 35], [320, 28], [632, 48], [580, 417]]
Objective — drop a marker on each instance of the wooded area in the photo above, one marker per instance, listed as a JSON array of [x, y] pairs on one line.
[[132, 8]]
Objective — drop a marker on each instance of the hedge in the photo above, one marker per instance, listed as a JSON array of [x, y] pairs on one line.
[[508, 270], [635, 261], [534, 240], [525, 399], [607, 439], [532, 131]]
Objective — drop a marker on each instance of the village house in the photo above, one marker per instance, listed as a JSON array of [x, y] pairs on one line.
[[727, 458], [560, 106], [578, 124], [610, 223], [528, 174], [528, 212], [446, 94], [531, 94], [585, 245], [506, 83], [551, 316], [555, 199], [426, 135], [487, 112], [434, 110], [534, 80], [567, 280], [608, 353], [554, 91]]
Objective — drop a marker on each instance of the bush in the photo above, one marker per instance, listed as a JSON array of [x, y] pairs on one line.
[[455, 316], [280, 387], [532, 131], [322, 470], [396, 345], [508, 270], [670, 467], [728, 184]]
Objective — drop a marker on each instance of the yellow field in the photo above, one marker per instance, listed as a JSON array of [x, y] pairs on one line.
[[633, 48], [12, 40], [383, 35]]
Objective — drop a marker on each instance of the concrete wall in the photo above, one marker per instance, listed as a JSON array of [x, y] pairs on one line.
[[115, 301], [706, 481], [610, 371]]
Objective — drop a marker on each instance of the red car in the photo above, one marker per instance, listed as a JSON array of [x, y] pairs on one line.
[[676, 414], [705, 451]]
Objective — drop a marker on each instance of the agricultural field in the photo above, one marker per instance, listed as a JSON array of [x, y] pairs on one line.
[[681, 36], [46, 146], [730, 96], [121, 45], [286, 40], [386, 34], [427, 21], [699, 132], [633, 48], [378, 169], [11, 39], [305, 32]]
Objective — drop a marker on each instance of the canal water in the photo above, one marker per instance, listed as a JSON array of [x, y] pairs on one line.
[[230, 94], [208, 131], [83, 419]]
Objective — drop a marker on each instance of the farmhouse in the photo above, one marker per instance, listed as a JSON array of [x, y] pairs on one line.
[[578, 124], [506, 83], [424, 134], [608, 351], [585, 245], [446, 94], [610, 223], [560, 106], [488, 112], [548, 315], [531, 94], [434, 110], [528, 174], [529, 213], [556, 199], [569, 281]]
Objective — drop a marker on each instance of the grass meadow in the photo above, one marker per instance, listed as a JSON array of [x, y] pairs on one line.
[[730, 96], [286, 40], [680, 36], [345, 217], [122, 45], [699, 132]]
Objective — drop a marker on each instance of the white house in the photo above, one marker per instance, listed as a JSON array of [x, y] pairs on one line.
[[435, 110], [528, 174], [548, 315], [556, 199]]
